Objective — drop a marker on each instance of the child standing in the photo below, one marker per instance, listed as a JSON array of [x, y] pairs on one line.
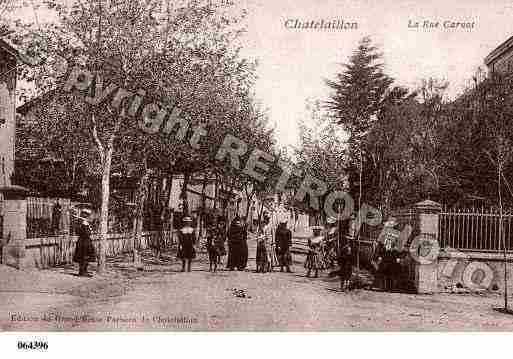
[[186, 241], [213, 255], [215, 245], [262, 262], [314, 260]]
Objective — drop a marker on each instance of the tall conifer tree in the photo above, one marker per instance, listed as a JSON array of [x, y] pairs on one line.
[[357, 95]]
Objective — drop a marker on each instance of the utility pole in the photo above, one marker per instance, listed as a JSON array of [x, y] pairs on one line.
[[502, 239], [359, 215]]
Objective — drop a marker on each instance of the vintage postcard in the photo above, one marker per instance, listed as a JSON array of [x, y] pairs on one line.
[[217, 165]]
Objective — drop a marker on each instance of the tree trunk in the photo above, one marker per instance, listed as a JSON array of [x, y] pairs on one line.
[[216, 192], [203, 204], [142, 193], [249, 199], [184, 193], [260, 212], [104, 211], [223, 198], [161, 191], [359, 216], [168, 190], [230, 191]]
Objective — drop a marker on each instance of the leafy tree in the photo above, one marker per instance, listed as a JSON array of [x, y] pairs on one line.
[[493, 110], [176, 51], [322, 152], [388, 154]]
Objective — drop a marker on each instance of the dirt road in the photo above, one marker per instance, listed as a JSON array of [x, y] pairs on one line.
[[162, 298]]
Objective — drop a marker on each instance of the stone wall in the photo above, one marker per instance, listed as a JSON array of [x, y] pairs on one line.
[[417, 228], [474, 271]]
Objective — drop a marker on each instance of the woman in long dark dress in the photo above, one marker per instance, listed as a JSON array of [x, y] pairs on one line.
[[237, 246], [220, 238], [346, 266], [84, 249], [186, 241], [283, 239]]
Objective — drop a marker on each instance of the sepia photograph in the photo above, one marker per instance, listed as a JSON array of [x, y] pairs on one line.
[[251, 165]]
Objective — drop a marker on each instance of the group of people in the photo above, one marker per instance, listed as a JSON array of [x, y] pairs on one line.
[[273, 250], [237, 244], [387, 257], [317, 260], [275, 253], [269, 253]]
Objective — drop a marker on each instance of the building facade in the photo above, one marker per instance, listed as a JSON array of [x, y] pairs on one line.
[[501, 58], [8, 63]]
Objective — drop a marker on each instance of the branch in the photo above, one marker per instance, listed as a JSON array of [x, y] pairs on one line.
[[490, 157], [97, 138], [117, 126]]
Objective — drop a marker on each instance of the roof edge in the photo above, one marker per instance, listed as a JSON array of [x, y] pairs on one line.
[[499, 50], [4, 44]]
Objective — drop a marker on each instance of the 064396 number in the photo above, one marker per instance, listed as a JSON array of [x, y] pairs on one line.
[[35, 345]]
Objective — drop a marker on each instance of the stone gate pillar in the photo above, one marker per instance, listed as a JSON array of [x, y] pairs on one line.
[[15, 227], [425, 247]]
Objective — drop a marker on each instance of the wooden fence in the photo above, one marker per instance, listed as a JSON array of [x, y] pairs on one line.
[[39, 216], [57, 250], [475, 230]]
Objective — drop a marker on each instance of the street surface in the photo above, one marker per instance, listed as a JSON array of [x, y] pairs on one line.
[[162, 298]]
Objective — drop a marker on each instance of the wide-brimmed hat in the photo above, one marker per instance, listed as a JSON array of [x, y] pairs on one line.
[[391, 222], [317, 228], [316, 240], [331, 220], [85, 212], [81, 213]]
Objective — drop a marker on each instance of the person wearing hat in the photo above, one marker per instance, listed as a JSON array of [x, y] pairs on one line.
[[314, 260], [84, 249], [345, 230], [186, 241], [263, 263], [387, 257], [283, 239], [215, 244], [237, 246], [331, 244]]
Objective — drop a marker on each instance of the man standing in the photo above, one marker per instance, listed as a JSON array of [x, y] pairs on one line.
[[283, 240], [84, 250]]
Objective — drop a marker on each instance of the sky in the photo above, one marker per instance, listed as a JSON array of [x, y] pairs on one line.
[[293, 63]]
